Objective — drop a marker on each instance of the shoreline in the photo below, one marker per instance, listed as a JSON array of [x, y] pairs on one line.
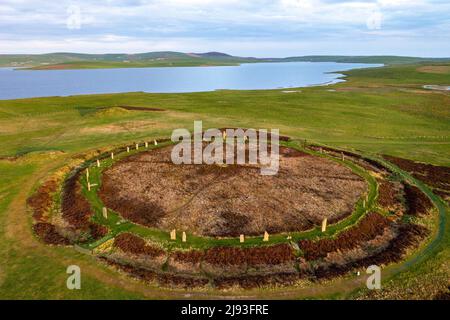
[[339, 78]]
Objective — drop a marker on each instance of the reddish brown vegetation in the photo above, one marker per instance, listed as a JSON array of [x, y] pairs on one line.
[[192, 256], [418, 203], [41, 200], [227, 256], [97, 231], [365, 163], [409, 235], [75, 208], [388, 194], [292, 153], [77, 211], [226, 201], [271, 255], [47, 232], [145, 213], [371, 226], [443, 194], [128, 242], [435, 176]]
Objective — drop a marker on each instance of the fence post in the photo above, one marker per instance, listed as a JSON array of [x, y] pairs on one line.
[[324, 225]]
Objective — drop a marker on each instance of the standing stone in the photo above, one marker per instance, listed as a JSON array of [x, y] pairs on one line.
[[128, 149], [324, 225], [155, 143], [173, 234], [98, 163], [266, 236], [241, 238], [137, 146], [112, 155], [105, 212], [146, 144], [183, 237], [343, 156]]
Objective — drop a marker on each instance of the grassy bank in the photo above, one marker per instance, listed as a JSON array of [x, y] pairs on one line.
[[382, 110]]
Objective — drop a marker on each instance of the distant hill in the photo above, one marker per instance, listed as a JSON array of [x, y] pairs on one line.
[[366, 59], [213, 54], [68, 60]]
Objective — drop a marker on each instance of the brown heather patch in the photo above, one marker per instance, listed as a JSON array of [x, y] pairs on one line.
[[128, 242], [221, 201], [41, 201], [409, 235], [49, 235], [434, 176], [77, 211], [266, 255], [372, 225], [417, 202]]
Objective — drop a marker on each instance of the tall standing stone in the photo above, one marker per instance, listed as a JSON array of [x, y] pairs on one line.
[[324, 225]]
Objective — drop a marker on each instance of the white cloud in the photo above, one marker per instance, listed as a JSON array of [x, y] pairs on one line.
[[143, 25], [374, 20]]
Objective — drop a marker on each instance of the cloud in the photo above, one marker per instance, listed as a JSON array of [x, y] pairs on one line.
[[38, 26]]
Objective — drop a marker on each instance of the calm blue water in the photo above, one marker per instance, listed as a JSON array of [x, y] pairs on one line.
[[26, 83]]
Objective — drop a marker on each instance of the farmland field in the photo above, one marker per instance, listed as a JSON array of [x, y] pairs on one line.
[[384, 114]]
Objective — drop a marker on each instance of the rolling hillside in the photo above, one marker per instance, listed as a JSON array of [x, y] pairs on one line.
[[64, 60]]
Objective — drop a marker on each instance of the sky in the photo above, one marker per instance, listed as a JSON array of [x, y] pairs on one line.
[[259, 28]]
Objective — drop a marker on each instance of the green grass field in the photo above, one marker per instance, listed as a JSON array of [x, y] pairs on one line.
[[67, 60], [378, 111]]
